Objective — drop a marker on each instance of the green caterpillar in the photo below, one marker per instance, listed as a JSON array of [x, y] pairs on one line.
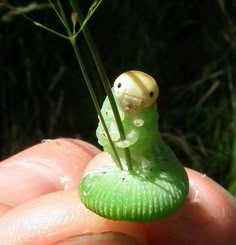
[[157, 185]]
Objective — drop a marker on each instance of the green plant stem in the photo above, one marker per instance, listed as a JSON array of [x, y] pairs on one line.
[[104, 79], [88, 83], [62, 16], [92, 93]]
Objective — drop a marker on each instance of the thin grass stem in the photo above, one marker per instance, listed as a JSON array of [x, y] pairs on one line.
[[88, 82], [104, 79], [57, 13], [92, 93], [62, 15], [49, 29], [91, 11]]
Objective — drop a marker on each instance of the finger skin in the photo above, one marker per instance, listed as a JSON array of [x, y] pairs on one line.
[[55, 217], [4, 208], [47, 167], [208, 216]]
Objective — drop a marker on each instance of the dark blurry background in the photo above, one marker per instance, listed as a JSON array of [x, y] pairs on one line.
[[188, 46]]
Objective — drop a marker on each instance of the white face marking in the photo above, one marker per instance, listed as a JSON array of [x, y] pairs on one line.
[[135, 90]]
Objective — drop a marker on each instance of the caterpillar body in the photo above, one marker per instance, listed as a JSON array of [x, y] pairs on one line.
[[158, 184]]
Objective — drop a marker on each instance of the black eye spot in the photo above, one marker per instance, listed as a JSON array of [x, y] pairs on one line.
[[118, 85], [151, 94]]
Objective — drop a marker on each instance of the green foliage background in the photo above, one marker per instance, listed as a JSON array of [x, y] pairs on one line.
[[189, 46]]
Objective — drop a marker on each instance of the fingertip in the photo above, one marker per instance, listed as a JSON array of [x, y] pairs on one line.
[[49, 166]]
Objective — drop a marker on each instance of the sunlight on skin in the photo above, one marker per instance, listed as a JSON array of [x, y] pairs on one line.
[[45, 214]]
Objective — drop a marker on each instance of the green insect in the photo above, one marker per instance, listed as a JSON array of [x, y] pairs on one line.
[[157, 184]]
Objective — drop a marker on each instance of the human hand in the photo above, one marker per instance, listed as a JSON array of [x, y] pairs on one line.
[[39, 204]]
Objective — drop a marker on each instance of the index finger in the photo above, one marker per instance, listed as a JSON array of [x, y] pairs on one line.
[[46, 167]]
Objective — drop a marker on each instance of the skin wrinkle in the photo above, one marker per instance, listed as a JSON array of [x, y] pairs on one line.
[[41, 223], [4, 208], [33, 165], [35, 160], [7, 203], [13, 163]]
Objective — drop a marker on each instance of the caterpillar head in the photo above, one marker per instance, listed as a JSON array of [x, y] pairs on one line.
[[135, 90]]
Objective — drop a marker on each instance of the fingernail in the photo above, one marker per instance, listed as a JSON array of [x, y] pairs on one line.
[[104, 238]]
